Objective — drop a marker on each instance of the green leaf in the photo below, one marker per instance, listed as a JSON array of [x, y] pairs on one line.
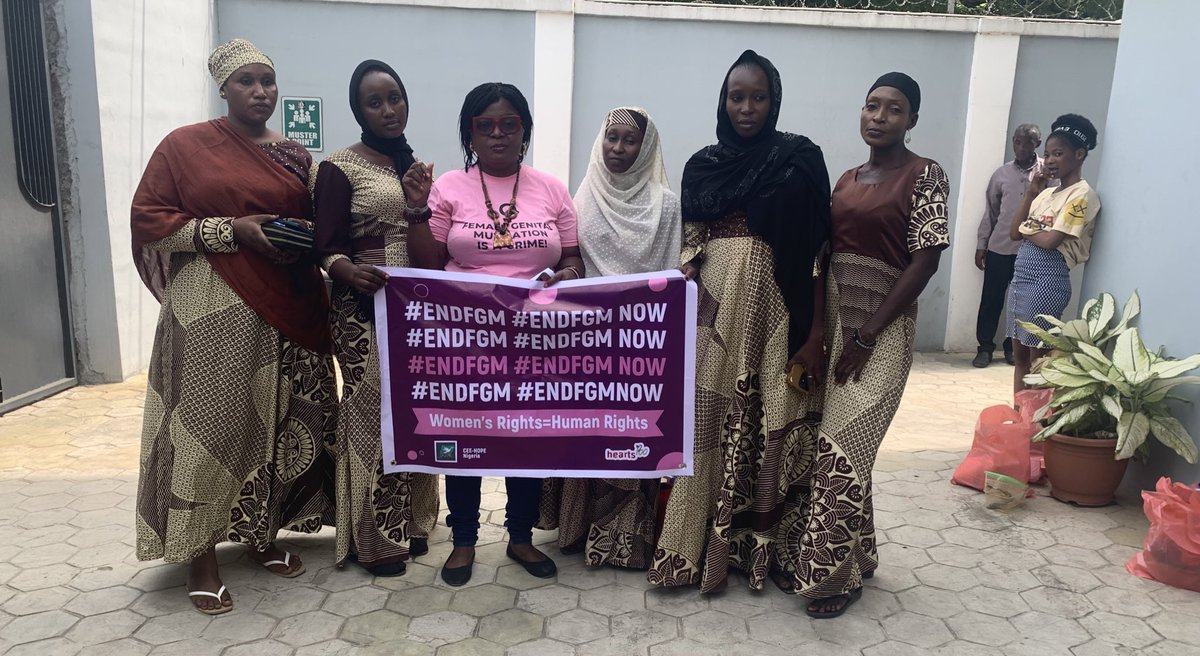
[[1099, 313], [1132, 429], [1093, 353], [1172, 433], [1064, 395], [1112, 405], [1133, 307], [1172, 368], [1060, 379], [1158, 390], [1052, 340], [1066, 366], [1077, 329], [1064, 419], [1130, 353]]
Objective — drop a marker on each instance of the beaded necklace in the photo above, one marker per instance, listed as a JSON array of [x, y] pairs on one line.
[[502, 238]]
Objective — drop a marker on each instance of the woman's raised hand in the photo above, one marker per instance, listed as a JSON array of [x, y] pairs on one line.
[[417, 182]]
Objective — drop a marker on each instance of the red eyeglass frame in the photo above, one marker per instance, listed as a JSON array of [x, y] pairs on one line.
[[498, 119]]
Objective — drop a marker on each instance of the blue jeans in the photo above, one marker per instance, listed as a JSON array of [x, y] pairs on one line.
[[521, 513]]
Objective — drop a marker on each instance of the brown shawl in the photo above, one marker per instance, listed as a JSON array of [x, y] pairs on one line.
[[211, 170]]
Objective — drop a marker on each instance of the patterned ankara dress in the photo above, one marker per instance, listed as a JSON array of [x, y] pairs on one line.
[[237, 434], [876, 228], [360, 216], [750, 426]]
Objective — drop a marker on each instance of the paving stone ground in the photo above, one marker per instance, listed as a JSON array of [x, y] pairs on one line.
[[955, 579]]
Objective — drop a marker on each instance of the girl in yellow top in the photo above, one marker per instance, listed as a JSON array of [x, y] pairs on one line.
[[1055, 227]]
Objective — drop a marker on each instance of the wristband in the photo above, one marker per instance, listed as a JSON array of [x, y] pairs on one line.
[[858, 341], [418, 214]]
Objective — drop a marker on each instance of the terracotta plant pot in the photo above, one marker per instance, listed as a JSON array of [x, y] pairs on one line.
[[1083, 471]]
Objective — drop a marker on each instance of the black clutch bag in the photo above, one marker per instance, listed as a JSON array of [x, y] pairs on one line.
[[288, 235]]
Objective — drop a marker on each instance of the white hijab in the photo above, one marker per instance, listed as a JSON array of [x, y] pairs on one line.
[[628, 222]]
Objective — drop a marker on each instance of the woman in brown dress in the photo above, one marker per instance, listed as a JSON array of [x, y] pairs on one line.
[[889, 230], [756, 221], [364, 196], [239, 417]]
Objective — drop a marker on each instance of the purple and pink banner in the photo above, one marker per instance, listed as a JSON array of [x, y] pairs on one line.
[[490, 376]]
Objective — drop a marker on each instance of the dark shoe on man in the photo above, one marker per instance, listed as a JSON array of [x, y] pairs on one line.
[[982, 359]]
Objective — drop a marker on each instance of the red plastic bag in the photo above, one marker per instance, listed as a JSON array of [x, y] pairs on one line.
[[1030, 401], [1171, 552], [1001, 445]]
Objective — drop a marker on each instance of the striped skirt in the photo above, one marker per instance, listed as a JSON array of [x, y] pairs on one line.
[[1041, 284]]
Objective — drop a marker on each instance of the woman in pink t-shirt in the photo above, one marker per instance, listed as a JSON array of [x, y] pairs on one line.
[[499, 217]]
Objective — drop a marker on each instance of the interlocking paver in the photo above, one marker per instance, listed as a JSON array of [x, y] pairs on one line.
[[358, 601], [484, 600], [308, 628], [1046, 579], [613, 600], [511, 627], [415, 602], [39, 626], [446, 626], [577, 626]]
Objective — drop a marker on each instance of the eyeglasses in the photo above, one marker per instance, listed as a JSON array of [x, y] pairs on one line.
[[485, 125]]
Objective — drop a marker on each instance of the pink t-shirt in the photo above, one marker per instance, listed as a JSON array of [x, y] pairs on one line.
[[544, 225]]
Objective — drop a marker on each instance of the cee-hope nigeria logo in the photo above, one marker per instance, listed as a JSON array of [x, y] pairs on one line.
[[445, 451]]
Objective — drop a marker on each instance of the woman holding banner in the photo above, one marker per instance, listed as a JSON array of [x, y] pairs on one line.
[[629, 222], [365, 196], [495, 127], [756, 223], [237, 428]]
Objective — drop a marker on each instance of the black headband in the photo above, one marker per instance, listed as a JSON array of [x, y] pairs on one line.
[[904, 84], [1076, 135]]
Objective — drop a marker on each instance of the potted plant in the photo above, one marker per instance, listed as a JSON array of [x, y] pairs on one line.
[[1110, 394]]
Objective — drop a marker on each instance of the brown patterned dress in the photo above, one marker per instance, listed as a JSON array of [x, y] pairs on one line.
[[360, 216], [830, 531], [753, 432], [237, 434]]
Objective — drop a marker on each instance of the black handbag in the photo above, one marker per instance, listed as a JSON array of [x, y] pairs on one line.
[[288, 235]]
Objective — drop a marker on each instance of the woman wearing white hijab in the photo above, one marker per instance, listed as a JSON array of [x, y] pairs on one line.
[[629, 222], [629, 219]]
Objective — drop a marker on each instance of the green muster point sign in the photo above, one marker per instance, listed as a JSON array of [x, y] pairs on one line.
[[302, 121]]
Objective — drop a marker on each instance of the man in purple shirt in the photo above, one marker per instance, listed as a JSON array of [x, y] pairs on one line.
[[995, 253]]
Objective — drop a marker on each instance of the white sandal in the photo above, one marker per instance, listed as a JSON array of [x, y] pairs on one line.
[[219, 610], [286, 563]]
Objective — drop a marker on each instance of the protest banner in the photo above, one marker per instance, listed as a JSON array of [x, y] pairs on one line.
[[490, 376]]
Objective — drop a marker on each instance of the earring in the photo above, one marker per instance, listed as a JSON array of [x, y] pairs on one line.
[[908, 137], [524, 149]]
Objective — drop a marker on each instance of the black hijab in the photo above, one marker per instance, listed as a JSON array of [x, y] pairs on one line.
[[779, 180], [397, 148]]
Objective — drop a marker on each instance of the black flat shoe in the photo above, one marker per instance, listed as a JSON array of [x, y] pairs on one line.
[[982, 359], [458, 576], [543, 569], [418, 546], [1009, 358], [387, 569], [848, 599]]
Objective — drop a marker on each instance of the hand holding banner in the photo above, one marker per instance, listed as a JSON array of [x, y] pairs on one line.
[[483, 375]]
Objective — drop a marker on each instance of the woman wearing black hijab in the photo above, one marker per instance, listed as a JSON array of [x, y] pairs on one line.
[[756, 223], [366, 196]]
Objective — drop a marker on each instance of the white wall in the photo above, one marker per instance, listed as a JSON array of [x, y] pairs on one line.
[[127, 73], [134, 69], [1147, 232]]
